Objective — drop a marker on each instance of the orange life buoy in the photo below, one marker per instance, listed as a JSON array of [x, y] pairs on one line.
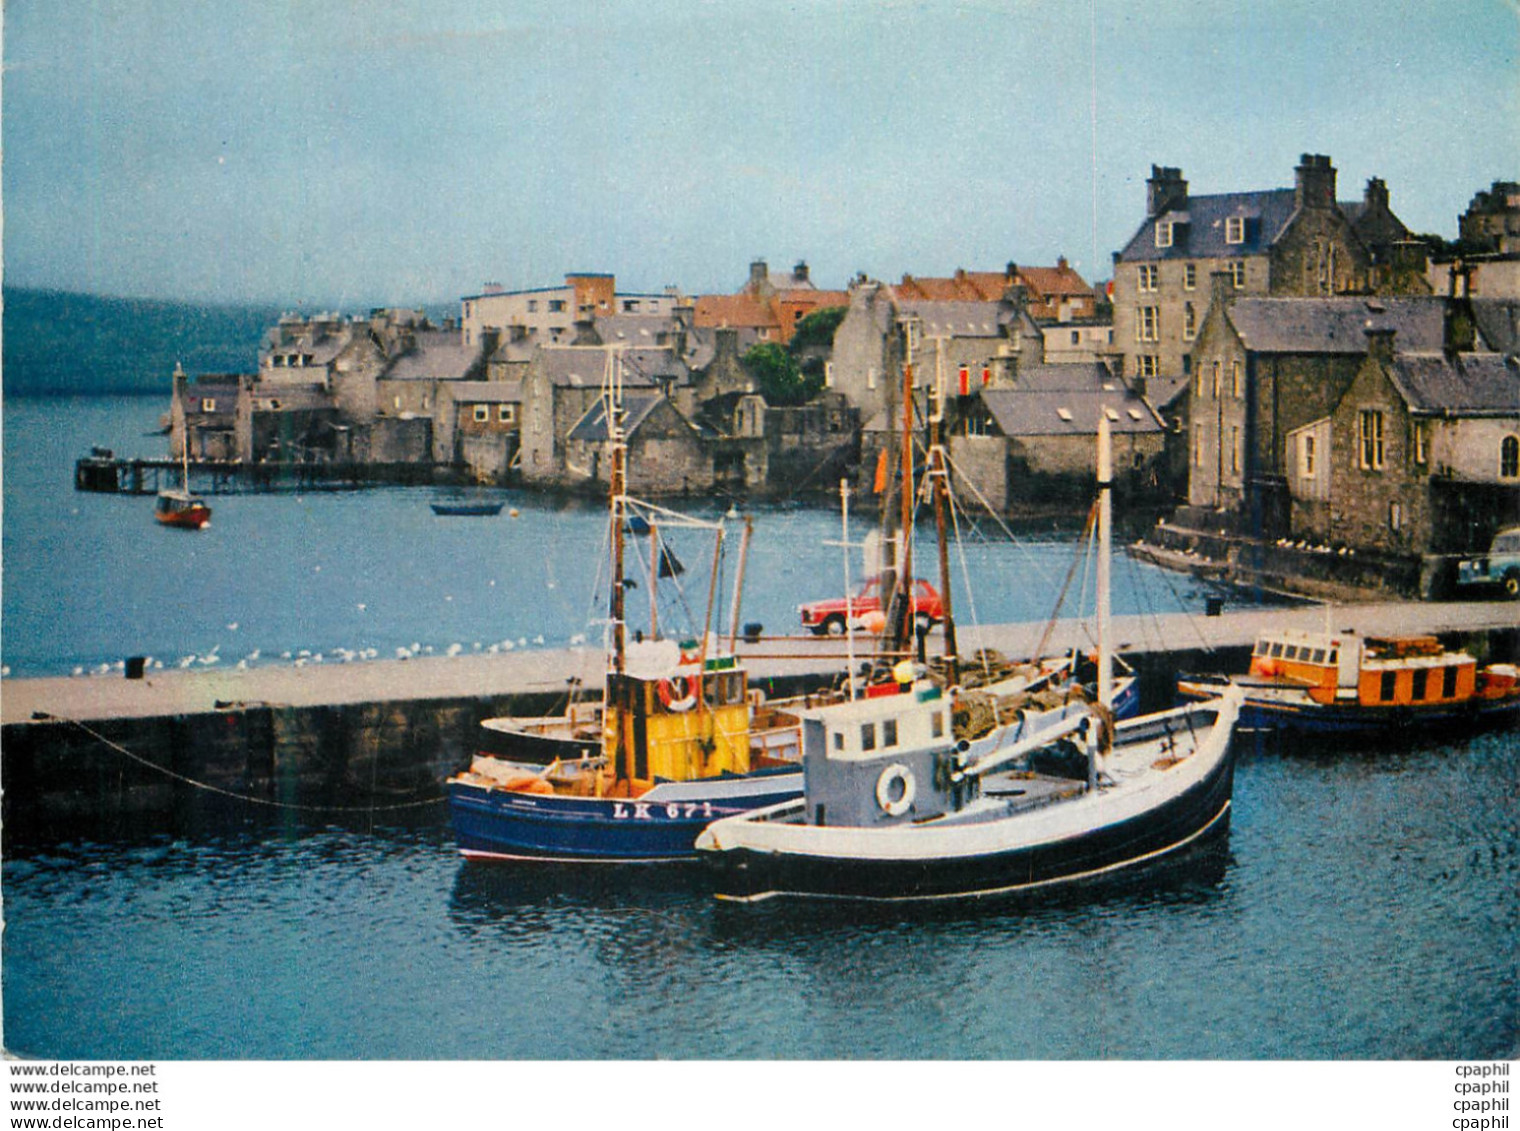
[[679, 693]]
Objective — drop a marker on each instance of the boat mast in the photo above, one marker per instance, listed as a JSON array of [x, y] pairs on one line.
[[1105, 542], [849, 611], [901, 609], [941, 475], [612, 412], [733, 619]]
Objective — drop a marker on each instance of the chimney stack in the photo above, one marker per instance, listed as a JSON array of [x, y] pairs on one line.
[[1314, 186], [1380, 345], [1165, 190]]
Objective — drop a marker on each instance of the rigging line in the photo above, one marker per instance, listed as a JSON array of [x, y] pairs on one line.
[[1035, 564], [1076, 559], [120, 749], [960, 549]]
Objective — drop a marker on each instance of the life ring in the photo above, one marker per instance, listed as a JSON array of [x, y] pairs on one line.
[[888, 782], [679, 693]]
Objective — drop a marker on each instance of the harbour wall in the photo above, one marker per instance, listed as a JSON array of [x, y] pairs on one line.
[[339, 744]]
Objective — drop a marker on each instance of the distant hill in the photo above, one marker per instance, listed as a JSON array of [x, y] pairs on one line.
[[62, 344]]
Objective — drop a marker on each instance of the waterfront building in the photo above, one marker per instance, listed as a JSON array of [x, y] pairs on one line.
[[1286, 241]]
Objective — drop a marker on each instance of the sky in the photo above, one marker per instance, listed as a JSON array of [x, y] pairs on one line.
[[350, 153]]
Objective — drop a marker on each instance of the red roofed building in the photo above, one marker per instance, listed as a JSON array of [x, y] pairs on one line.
[[770, 305]]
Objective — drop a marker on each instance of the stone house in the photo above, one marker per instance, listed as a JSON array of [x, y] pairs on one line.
[[666, 451], [1297, 241], [478, 423], [559, 387], [1263, 367], [1420, 456], [1033, 439]]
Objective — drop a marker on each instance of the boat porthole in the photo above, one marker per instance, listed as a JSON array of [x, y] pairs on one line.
[[895, 789]]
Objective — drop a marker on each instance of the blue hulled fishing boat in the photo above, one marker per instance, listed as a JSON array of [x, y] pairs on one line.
[[676, 742]]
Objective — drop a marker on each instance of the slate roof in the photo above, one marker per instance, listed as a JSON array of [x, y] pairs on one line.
[[1499, 322], [1470, 384], [585, 368], [1336, 325], [438, 355], [487, 392], [1266, 213], [957, 319], [637, 408], [1068, 400]]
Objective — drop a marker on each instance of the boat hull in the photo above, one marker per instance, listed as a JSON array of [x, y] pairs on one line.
[[1091, 851], [1301, 715], [662, 825], [467, 510]]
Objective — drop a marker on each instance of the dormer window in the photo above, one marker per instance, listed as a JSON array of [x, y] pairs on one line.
[[1164, 233], [1235, 229]]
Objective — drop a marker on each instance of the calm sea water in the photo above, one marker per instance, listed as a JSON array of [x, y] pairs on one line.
[[1366, 904], [90, 579]]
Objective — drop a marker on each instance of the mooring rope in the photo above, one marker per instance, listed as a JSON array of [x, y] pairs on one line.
[[44, 716]]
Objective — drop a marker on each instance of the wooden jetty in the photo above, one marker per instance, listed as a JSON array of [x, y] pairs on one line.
[[106, 473]]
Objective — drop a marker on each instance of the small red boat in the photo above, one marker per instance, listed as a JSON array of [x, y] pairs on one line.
[[177, 507]]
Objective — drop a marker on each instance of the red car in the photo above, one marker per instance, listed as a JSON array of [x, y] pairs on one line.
[[827, 617]]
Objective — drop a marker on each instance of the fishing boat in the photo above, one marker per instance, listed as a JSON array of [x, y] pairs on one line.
[[466, 509], [677, 741], [895, 807], [176, 506], [1349, 684]]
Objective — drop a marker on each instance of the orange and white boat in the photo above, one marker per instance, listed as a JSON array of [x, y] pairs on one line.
[[1342, 682]]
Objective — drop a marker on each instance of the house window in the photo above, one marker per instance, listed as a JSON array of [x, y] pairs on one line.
[[1238, 273], [506, 413], [871, 377], [1235, 448], [1149, 273], [1421, 443], [1198, 445], [396, 400], [208, 405], [1509, 458], [1189, 322], [1370, 434], [828, 374], [1164, 233], [1148, 324], [1235, 229], [532, 305], [1215, 369], [1306, 456], [556, 306], [1076, 337], [482, 414], [427, 403], [1395, 516], [1149, 365], [630, 305], [1189, 277], [1237, 379]]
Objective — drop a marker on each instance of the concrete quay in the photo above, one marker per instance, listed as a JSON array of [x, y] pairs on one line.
[[213, 745], [545, 673]]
